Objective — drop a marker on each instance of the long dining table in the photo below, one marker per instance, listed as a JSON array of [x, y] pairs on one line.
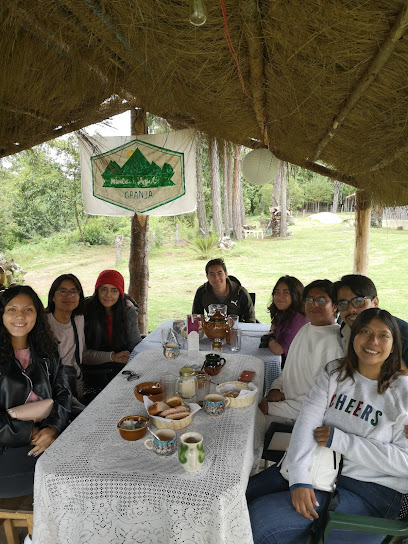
[[251, 337], [93, 487]]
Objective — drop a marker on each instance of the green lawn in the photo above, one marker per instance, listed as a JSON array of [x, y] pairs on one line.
[[314, 251]]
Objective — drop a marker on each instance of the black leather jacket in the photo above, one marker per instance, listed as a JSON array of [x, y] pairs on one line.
[[46, 378]]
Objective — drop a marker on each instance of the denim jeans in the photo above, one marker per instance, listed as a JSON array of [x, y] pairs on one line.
[[275, 521]]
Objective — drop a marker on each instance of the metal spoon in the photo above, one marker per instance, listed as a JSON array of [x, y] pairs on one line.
[[150, 431]]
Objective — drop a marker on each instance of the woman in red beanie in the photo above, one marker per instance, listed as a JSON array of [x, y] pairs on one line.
[[111, 324]]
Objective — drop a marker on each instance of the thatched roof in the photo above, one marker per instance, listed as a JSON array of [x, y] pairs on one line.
[[328, 78]]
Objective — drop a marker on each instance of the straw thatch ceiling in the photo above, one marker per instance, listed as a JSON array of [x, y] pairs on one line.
[[329, 78]]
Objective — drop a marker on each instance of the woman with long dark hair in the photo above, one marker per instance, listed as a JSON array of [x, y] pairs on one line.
[[287, 315], [358, 408], [111, 324], [35, 401], [66, 305]]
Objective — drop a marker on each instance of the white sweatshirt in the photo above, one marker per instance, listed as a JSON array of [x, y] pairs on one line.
[[368, 429], [312, 348]]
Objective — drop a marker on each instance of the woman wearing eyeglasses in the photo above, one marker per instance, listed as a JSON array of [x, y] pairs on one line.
[[314, 346], [111, 324], [66, 304]]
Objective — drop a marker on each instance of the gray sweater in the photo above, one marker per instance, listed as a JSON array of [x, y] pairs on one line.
[[368, 429]]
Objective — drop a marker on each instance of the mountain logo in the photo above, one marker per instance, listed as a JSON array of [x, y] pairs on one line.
[[137, 173]]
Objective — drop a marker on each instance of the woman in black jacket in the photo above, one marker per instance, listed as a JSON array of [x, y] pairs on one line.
[[30, 371]]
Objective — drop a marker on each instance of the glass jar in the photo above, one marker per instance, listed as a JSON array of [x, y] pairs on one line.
[[186, 383], [216, 345]]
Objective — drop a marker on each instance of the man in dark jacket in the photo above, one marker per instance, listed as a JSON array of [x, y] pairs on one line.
[[223, 289]]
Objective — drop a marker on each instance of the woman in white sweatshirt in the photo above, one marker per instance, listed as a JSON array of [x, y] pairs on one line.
[[357, 407]]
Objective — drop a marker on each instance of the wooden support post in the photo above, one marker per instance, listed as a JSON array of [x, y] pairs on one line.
[[362, 233], [139, 242]]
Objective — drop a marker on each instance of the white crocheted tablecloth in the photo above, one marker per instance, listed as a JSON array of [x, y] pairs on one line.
[[93, 487]]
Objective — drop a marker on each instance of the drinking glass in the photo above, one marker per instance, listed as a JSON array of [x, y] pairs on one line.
[[235, 339], [168, 383]]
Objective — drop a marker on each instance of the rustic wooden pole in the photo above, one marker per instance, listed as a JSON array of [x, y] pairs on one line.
[[363, 215], [139, 241]]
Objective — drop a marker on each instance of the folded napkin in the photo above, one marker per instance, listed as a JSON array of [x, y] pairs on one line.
[[252, 389]]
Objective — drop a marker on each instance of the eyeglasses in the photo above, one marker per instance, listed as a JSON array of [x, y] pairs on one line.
[[68, 292], [320, 301], [356, 302]]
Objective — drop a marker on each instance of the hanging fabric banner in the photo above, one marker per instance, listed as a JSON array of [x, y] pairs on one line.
[[154, 174]]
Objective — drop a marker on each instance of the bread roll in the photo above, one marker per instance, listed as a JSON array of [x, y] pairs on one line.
[[174, 401], [178, 415], [175, 410], [154, 410], [157, 407]]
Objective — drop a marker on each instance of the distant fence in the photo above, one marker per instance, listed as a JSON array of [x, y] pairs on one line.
[[395, 218]]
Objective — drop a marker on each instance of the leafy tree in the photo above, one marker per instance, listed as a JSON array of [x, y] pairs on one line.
[[44, 189]]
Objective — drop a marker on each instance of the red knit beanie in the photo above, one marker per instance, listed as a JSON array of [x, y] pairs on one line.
[[111, 277]]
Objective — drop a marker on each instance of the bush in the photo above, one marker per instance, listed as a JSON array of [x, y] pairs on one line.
[[102, 230], [206, 246]]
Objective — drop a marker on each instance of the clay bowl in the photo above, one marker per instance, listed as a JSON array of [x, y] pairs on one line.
[[133, 434], [153, 390]]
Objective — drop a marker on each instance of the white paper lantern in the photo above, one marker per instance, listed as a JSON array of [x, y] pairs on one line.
[[260, 166]]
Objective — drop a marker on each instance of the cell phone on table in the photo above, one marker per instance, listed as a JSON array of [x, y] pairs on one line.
[[246, 376]]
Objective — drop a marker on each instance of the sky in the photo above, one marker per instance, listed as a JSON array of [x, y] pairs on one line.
[[118, 125]]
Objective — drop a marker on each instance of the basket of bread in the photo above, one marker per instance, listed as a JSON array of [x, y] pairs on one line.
[[172, 413], [241, 394]]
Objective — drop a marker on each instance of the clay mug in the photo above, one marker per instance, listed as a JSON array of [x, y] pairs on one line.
[[171, 351], [164, 443], [215, 404], [191, 453], [214, 360]]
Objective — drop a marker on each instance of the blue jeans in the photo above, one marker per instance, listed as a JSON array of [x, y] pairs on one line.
[[275, 521]]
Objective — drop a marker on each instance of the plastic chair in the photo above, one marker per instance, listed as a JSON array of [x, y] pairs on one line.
[[270, 455], [393, 529]]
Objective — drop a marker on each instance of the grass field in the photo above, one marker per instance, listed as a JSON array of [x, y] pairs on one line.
[[314, 251]]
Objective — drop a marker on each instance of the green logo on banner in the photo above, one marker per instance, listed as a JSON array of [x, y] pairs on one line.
[[137, 173]]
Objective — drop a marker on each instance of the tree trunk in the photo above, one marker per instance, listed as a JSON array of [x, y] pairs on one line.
[[282, 176], [227, 193], [236, 217], [139, 241], [276, 189], [377, 215], [201, 215], [362, 233], [229, 181], [336, 196], [215, 187]]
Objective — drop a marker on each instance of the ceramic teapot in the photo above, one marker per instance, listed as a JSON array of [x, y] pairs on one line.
[[215, 325]]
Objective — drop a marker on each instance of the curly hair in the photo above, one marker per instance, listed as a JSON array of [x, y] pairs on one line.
[[392, 366], [296, 306], [96, 335], [79, 310], [40, 338]]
